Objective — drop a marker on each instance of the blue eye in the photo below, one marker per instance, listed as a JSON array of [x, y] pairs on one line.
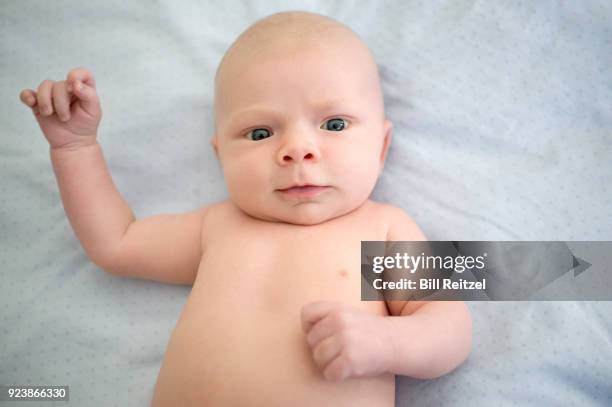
[[334, 124], [258, 134]]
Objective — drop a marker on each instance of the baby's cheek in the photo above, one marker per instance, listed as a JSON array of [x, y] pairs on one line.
[[359, 178], [237, 180], [368, 171], [365, 163]]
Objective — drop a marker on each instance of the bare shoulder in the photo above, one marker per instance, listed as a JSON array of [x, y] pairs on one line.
[[216, 207], [213, 214], [220, 212], [400, 225]]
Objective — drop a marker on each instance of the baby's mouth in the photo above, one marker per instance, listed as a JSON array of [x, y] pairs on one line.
[[303, 191]]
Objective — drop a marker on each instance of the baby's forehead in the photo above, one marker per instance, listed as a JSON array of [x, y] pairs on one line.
[[290, 32], [314, 72], [295, 38]]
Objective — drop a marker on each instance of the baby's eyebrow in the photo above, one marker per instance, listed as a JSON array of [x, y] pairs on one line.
[[317, 106]]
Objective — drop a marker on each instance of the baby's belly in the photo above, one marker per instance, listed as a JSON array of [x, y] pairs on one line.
[[239, 342]]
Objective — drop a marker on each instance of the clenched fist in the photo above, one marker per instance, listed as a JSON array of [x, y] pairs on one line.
[[346, 341], [68, 112]]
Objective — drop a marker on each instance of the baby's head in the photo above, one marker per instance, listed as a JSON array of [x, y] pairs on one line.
[[298, 102]]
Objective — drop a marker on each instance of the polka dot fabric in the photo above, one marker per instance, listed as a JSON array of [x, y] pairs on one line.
[[502, 131]]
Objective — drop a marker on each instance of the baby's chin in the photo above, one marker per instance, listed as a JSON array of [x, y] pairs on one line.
[[305, 214]]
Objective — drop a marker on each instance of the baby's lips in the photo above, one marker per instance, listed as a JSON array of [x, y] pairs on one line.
[[299, 185]]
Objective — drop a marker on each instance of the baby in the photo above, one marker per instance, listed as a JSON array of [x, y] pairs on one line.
[[275, 316]]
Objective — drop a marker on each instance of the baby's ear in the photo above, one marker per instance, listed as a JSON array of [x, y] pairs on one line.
[[213, 143], [387, 127]]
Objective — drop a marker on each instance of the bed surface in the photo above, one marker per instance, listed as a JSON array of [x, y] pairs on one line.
[[502, 131]]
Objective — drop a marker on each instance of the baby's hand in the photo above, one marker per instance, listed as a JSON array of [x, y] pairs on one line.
[[346, 341], [68, 112]]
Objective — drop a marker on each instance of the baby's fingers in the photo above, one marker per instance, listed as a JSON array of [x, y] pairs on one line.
[[61, 100], [82, 83], [82, 75], [28, 97], [44, 95], [87, 96]]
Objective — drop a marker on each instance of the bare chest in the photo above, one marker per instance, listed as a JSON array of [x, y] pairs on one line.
[[281, 267], [241, 325]]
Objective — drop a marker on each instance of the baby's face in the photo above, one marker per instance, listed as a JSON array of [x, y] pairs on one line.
[[290, 118]]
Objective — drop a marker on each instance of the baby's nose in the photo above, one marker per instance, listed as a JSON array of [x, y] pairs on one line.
[[297, 151], [297, 156]]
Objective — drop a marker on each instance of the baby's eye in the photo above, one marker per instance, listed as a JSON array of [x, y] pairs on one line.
[[258, 134], [334, 124]]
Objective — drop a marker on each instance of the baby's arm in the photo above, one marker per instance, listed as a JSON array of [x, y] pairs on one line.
[[419, 339], [429, 338], [164, 247], [432, 340]]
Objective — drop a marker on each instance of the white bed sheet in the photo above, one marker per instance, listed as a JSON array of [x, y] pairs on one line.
[[502, 131]]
